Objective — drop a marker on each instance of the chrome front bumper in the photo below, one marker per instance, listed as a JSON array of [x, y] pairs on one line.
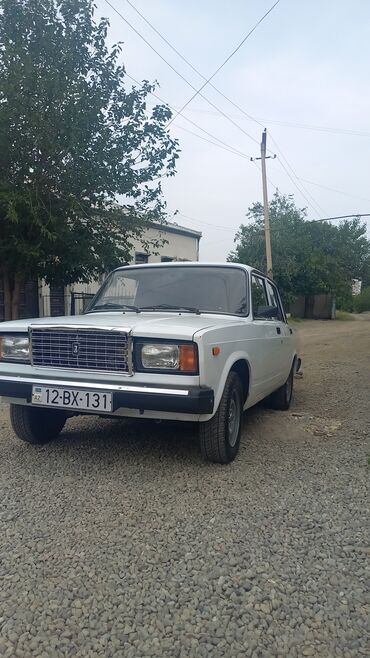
[[175, 399]]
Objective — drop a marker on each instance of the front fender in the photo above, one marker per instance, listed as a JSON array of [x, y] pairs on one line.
[[222, 377]]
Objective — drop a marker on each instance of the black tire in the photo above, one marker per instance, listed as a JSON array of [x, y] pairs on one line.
[[282, 398], [219, 441], [35, 425]]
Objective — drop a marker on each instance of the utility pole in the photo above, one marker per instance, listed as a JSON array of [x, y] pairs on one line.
[[263, 159]]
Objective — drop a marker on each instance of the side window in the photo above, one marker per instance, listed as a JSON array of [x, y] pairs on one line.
[[274, 301], [259, 297]]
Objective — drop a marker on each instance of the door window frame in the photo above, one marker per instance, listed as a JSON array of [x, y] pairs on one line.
[[259, 275], [278, 299]]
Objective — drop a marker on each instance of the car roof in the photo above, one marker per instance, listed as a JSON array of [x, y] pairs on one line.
[[248, 268]]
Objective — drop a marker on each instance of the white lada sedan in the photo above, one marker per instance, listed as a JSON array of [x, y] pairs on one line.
[[180, 341]]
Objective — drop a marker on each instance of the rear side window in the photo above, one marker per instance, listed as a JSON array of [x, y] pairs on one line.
[[259, 296], [274, 300]]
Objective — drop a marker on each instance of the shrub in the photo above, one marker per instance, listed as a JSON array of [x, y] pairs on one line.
[[344, 302], [362, 302]]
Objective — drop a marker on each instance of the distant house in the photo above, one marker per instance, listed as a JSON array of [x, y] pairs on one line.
[[41, 300], [356, 286], [180, 244]]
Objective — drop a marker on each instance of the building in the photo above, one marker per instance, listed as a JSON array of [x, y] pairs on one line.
[[180, 244], [41, 300], [356, 287]]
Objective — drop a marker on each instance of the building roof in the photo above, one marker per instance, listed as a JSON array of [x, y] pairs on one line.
[[172, 227]]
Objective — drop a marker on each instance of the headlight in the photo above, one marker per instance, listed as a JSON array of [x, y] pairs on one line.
[[14, 348], [171, 357]]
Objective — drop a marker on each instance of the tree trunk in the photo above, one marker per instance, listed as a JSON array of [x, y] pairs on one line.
[[16, 296], [12, 294], [7, 297]]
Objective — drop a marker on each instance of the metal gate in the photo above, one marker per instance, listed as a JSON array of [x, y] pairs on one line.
[[80, 301]]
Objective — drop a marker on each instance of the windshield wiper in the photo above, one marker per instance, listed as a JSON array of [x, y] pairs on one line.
[[170, 307], [114, 307]]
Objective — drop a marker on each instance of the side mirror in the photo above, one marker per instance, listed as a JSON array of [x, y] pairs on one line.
[[267, 312]]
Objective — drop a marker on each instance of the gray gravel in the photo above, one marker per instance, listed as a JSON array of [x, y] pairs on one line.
[[116, 540]]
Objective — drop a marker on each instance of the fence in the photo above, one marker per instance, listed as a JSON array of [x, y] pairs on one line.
[[56, 304], [52, 305], [317, 307], [80, 302]]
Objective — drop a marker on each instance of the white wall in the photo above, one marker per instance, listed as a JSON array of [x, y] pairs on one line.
[[177, 247]]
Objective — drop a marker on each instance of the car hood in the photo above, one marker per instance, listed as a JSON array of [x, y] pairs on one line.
[[145, 324]]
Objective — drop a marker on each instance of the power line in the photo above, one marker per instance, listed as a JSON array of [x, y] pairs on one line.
[[315, 221], [315, 206], [226, 116], [202, 222], [269, 179], [332, 189], [354, 214], [287, 124], [273, 229], [326, 129], [228, 58], [313, 203], [225, 148], [206, 132], [184, 59]]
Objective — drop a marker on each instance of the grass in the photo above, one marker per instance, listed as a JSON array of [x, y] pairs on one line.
[[343, 315], [294, 320]]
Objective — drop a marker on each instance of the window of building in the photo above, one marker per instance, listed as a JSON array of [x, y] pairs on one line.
[[141, 258]]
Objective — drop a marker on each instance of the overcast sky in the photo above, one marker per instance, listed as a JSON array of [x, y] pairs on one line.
[[307, 63]]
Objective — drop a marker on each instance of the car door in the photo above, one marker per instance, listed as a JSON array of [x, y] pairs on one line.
[[284, 353], [267, 340]]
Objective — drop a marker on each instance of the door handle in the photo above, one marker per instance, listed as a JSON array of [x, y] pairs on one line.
[[278, 330]]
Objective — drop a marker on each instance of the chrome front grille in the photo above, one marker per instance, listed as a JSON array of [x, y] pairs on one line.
[[81, 349]]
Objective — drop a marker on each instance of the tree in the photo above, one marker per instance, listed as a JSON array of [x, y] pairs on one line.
[[361, 302], [72, 138], [308, 257]]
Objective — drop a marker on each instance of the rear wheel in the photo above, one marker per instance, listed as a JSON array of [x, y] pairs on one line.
[[35, 425], [220, 436], [282, 398]]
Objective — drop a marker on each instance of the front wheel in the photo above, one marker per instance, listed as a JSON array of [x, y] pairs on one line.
[[220, 436], [35, 425]]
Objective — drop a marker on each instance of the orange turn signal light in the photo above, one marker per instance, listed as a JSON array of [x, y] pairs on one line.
[[216, 351], [188, 358]]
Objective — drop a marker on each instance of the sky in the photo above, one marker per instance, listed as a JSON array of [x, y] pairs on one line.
[[307, 64]]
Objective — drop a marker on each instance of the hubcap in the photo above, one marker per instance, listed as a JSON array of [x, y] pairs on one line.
[[233, 419]]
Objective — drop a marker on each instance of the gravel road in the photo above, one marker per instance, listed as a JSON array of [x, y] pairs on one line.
[[116, 540]]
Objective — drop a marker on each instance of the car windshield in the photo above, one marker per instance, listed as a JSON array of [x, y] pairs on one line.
[[191, 289]]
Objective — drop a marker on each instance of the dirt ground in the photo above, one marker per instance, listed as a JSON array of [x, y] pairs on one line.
[[335, 385], [116, 540]]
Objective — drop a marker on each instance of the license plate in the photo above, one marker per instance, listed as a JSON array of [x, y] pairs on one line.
[[71, 398]]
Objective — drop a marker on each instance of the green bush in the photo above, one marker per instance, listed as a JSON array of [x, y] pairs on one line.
[[344, 302], [361, 302]]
